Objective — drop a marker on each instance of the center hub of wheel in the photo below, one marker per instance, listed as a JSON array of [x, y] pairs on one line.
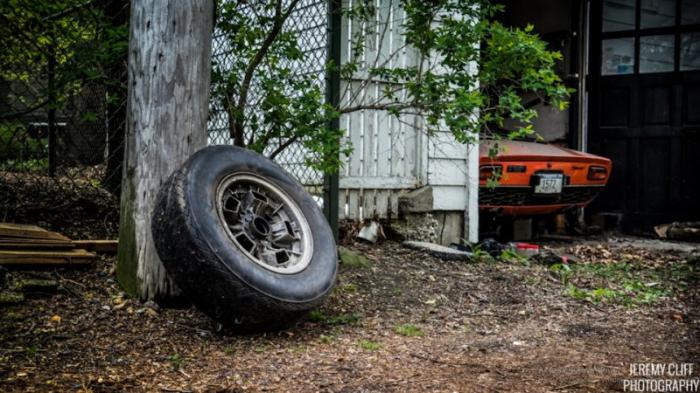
[[259, 227]]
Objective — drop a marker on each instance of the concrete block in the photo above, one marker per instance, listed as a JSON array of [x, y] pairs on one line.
[[416, 201]]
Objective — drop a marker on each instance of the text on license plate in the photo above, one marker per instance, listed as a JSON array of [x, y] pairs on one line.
[[549, 184]]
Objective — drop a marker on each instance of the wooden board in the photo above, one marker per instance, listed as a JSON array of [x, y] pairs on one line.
[[31, 244], [28, 231], [72, 257], [102, 246]]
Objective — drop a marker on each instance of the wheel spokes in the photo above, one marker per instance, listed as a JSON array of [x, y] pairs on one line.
[[261, 225]]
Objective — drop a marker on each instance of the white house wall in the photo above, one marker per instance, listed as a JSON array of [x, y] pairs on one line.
[[393, 155]]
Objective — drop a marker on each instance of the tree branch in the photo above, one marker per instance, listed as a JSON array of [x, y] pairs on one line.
[[24, 111], [283, 146], [377, 106], [238, 130]]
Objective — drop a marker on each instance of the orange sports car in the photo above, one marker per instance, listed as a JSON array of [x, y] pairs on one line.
[[527, 178]]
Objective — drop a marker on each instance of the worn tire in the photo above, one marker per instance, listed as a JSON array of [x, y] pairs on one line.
[[211, 270]]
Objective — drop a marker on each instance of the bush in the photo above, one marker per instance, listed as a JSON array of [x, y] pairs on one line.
[[18, 150]]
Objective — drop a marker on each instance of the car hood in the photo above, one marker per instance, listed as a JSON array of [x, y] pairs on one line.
[[531, 151]]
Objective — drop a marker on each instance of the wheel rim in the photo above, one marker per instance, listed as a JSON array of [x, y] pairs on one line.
[[264, 223]]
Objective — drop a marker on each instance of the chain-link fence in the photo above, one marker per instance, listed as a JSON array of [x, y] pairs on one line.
[[62, 112], [309, 23], [63, 109]]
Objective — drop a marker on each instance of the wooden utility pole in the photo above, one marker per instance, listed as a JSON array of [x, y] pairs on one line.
[[168, 102]]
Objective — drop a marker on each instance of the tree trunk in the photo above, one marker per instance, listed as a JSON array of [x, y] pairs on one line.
[[169, 73]]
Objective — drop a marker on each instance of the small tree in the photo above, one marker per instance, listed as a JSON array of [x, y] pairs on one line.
[[443, 88]]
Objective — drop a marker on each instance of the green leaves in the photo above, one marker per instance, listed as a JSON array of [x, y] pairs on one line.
[[448, 89], [470, 75], [271, 102], [85, 41]]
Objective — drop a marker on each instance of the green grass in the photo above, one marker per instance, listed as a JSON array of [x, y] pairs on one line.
[[349, 288], [31, 350], [327, 339], [626, 283], [408, 330], [511, 256], [319, 316], [482, 256], [176, 361], [369, 345]]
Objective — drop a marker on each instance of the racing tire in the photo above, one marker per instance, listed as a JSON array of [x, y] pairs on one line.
[[243, 240]]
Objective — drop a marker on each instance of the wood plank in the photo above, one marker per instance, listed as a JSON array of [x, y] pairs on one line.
[[7, 239], [369, 206], [382, 203], [27, 244], [28, 231], [101, 246], [354, 205], [30, 239], [72, 257], [380, 182]]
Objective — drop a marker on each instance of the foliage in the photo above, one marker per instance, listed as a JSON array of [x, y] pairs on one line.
[[319, 316], [443, 87], [80, 36], [450, 37], [349, 288], [409, 330], [290, 106], [176, 361], [509, 255], [16, 145], [369, 345], [620, 282]]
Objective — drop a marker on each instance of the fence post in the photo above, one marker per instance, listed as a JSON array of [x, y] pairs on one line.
[[331, 180], [51, 126]]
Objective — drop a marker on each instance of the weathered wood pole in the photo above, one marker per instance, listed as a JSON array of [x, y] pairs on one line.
[[168, 101]]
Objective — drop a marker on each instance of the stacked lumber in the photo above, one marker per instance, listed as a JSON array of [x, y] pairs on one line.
[[32, 245]]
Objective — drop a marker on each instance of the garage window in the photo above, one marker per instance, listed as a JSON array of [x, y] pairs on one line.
[[649, 36]]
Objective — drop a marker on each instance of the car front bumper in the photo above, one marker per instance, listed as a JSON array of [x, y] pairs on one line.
[[522, 200]]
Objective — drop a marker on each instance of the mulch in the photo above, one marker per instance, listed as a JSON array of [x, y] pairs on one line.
[[73, 203], [485, 327]]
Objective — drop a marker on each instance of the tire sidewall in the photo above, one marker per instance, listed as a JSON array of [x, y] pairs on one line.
[[205, 172]]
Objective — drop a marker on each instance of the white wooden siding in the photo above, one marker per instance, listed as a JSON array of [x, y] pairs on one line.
[[386, 153], [392, 155]]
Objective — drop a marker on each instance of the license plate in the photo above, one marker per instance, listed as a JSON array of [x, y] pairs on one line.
[[549, 184]]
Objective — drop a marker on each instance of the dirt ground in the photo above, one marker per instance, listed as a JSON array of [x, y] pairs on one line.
[[404, 322]]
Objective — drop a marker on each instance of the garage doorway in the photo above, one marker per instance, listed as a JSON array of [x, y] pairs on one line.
[[644, 108]]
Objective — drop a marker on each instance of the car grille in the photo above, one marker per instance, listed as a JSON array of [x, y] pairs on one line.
[[524, 196]]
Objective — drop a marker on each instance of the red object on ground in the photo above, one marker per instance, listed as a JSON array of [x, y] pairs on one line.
[[527, 246], [534, 178]]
